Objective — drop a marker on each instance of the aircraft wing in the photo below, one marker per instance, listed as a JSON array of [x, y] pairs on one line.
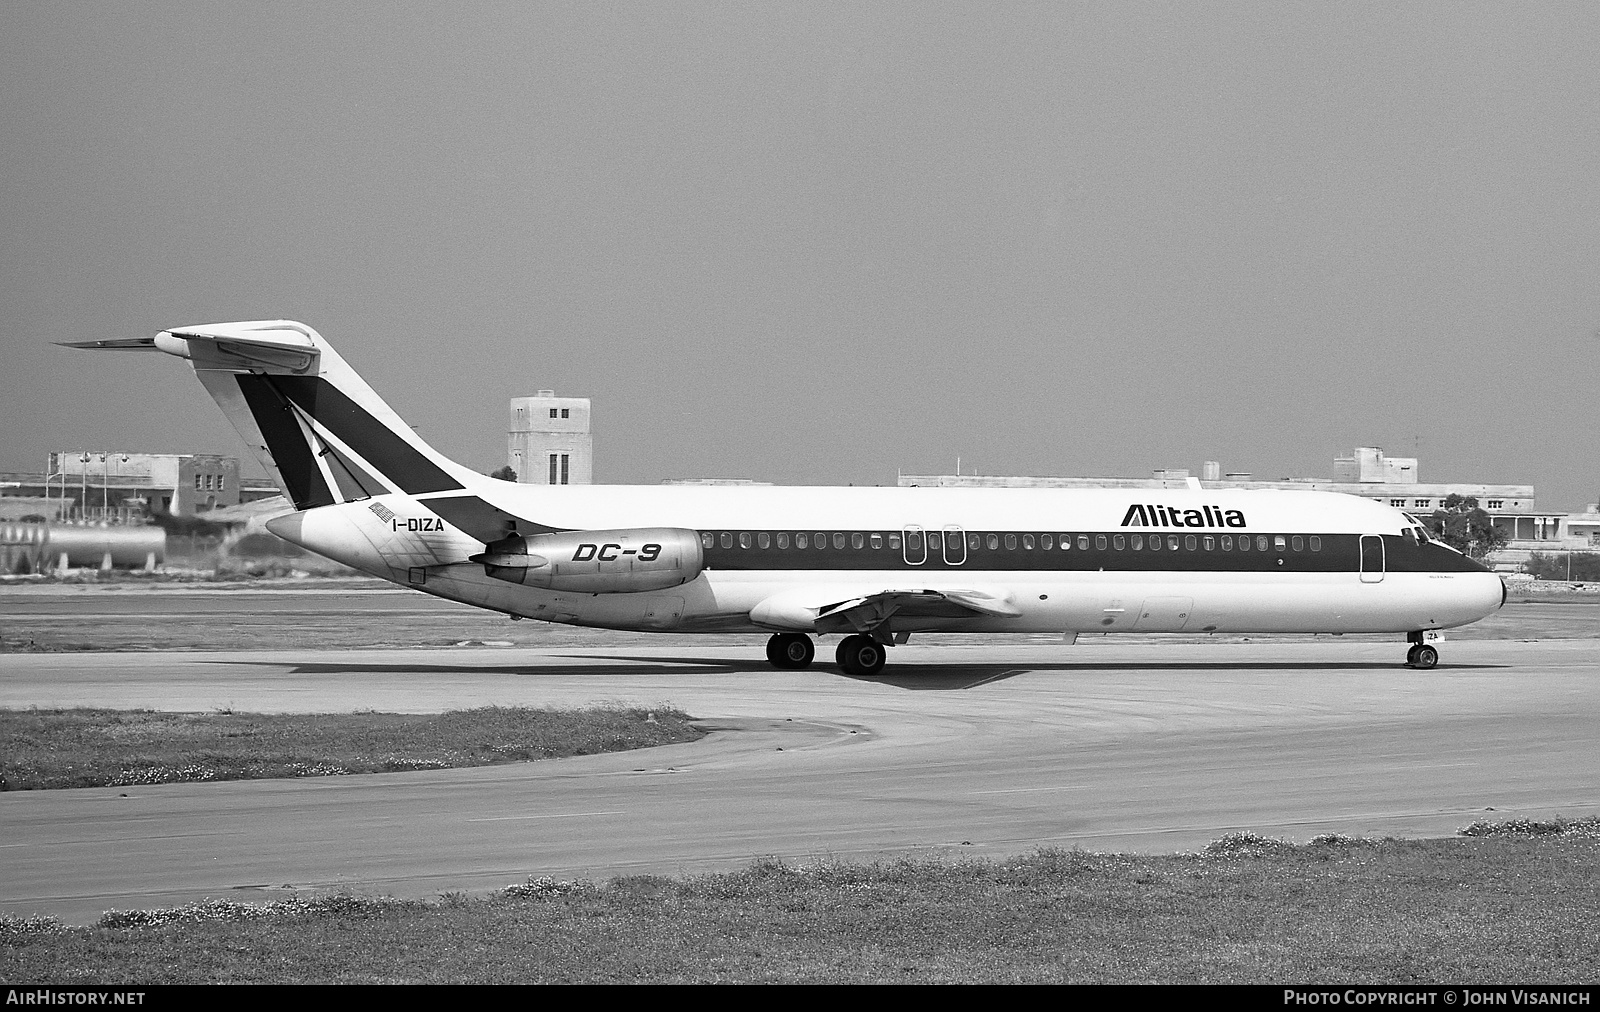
[[873, 613]]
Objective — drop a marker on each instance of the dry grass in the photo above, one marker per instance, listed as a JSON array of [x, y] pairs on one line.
[[1504, 907], [41, 749]]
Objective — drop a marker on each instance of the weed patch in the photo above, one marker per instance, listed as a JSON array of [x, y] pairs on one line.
[[1495, 907], [44, 749]]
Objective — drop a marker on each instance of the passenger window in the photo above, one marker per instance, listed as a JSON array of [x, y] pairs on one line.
[[1227, 542], [1011, 542], [1280, 543], [1208, 542], [783, 541], [1155, 542], [1172, 542], [1100, 541], [1118, 542], [974, 541], [1261, 542], [1297, 542], [744, 539], [763, 540], [727, 540], [1137, 540], [820, 540], [913, 542], [858, 540], [800, 540], [1027, 542], [1046, 542], [935, 541], [708, 540], [877, 541], [1083, 542], [994, 542], [894, 542], [1191, 542], [1316, 543], [1244, 543]]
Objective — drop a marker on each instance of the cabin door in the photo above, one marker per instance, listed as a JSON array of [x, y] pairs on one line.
[[915, 545], [1371, 558], [955, 546]]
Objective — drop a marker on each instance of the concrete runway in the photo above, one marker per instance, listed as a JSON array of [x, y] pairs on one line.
[[954, 750]]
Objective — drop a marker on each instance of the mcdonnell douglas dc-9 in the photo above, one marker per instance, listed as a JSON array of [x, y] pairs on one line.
[[875, 564]]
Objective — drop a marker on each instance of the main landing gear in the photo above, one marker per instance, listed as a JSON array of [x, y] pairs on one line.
[[857, 655], [790, 650], [1421, 655], [861, 655]]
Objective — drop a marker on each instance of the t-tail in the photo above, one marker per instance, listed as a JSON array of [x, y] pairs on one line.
[[317, 427]]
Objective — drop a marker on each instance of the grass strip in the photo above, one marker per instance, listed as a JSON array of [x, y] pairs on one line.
[[1504, 905], [43, 749]]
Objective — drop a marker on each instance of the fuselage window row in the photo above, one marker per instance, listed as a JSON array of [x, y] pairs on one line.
[[859, 540]]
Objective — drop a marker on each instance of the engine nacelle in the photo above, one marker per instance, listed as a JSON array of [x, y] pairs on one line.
[[598, 562]]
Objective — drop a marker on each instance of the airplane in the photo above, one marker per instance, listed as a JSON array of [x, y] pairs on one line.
[[874, 564]]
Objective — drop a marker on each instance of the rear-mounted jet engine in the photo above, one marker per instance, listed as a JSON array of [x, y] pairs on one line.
[[598, 562]]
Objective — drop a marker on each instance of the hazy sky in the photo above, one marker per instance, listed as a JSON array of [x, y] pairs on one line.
[[813, 243]]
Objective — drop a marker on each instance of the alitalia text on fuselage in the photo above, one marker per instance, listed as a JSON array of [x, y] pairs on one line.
[[1143, 515]]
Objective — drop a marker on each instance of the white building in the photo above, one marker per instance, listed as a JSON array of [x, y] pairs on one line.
[[549, 442]]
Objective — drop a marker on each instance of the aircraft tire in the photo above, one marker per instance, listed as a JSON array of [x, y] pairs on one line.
[[1426, 657], [861, 655], [1411, 655], [790, 650]]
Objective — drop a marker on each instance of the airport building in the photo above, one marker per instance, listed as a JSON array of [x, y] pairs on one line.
[[549, 442], [121, 486], [1367, 472]]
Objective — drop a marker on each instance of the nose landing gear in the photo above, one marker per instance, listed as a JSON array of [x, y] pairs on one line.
[[1421, 655]]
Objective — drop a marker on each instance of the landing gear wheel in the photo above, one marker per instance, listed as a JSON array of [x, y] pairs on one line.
[[1411, 655], [790, 650], [861, 655], [1423, 657]]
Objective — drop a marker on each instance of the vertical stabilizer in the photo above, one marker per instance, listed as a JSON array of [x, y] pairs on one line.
[[322, 432]]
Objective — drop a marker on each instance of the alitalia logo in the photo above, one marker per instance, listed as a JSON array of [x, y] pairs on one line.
[[1140, 515]]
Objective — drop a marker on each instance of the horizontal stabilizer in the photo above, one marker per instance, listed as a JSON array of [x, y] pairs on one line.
[[258, 345], [115, 344]]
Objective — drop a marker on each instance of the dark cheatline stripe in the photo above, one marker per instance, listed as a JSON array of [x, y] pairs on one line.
[[396, 459], [353, 480], [1340, 553], [302, 480], [479, 519]]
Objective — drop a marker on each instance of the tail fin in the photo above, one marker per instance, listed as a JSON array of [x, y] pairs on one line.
[[314, 424]]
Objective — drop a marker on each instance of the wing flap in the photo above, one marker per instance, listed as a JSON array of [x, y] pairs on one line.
[[873, 613]]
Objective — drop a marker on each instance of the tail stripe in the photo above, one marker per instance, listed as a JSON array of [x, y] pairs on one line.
[[353, 480], [302, 479], [394, 458], [482, 520]]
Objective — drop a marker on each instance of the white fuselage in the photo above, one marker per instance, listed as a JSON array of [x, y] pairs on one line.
[[1369, 572]]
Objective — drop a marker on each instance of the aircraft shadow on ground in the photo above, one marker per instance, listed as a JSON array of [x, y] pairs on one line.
[[916, 677]]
